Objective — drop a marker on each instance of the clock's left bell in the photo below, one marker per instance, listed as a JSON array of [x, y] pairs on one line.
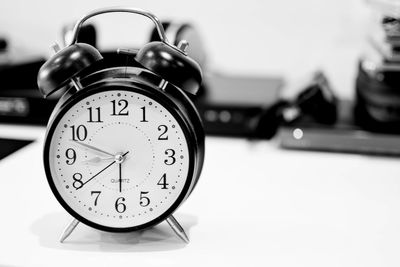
[[64, 66]]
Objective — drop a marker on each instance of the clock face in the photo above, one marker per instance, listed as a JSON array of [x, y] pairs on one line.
[[118, 159]]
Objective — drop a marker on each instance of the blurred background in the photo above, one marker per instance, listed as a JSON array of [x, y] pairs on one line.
[[253, 37], [301, 71]]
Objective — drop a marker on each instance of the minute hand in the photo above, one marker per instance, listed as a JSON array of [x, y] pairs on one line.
[[105, 168], [94, 148]]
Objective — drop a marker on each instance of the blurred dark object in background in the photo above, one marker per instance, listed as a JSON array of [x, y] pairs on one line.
[[378, 81], [230, 105], [20, 101], [3, 52], [370, 124], [343, 136], [3, 45], [316, 101]]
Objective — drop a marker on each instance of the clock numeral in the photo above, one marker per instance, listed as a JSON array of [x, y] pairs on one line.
[[77, 184], [143, 114], [70, 154], [171, 159], [79, 133], [97, 193], [120, 205], [163, 182], [163, 129], [122, 112], [144, 201], [95, 115]]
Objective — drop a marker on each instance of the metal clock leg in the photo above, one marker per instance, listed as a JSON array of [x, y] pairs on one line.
[[68, 230], [174, 224]]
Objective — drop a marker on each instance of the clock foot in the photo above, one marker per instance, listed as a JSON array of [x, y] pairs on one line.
[[174, 224], [68, 230]]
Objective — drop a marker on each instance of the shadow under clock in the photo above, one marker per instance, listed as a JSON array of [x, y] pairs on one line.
[[157, 238]]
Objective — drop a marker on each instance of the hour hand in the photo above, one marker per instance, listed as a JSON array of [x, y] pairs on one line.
[[93, 148], [97, 160]]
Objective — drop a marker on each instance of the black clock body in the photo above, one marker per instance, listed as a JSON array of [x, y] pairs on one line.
[[122, 72]]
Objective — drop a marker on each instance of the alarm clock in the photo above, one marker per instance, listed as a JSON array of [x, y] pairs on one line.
[[124, 146]]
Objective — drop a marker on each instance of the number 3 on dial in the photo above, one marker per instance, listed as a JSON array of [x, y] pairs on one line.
[[171, 157]]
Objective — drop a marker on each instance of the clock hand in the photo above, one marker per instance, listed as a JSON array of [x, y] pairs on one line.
[[97, 160], [105, 168], [120, 177], [93, 148], [120, 158]]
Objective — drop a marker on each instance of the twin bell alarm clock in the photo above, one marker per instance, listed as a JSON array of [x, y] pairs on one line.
[[124, 146]]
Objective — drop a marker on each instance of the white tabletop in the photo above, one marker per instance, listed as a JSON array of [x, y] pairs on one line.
[[255, 205]]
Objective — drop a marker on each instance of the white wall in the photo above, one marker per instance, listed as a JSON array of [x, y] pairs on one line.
[[247, 36]]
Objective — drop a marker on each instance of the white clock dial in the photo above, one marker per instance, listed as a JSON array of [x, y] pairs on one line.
[[118, 159]]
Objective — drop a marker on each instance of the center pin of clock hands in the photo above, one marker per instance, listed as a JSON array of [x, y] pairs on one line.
[[119, 158]]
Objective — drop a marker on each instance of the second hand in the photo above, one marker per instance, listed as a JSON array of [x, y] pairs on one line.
[[105, 168]]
